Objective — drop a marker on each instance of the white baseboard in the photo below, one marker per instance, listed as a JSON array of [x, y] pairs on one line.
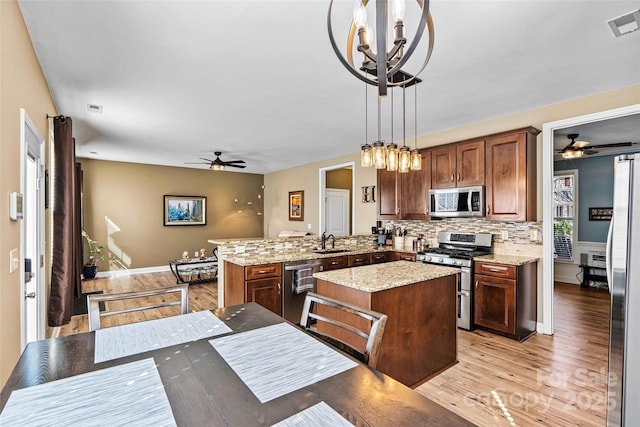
[[120, 273]]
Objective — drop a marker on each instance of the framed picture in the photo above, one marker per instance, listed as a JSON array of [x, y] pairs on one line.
[[600, 214], [296, 206], [185, 210]]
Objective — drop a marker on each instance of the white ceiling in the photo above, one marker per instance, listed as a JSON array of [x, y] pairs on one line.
[[258, 80]]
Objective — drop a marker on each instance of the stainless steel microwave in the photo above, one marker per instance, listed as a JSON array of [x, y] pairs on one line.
[[457, 202]]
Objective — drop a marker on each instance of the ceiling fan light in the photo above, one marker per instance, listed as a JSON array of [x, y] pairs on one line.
[[572, 154], [366, 156], [217, 167]]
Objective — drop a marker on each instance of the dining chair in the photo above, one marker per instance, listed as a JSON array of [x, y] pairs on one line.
[[94, 301], [333, 329]]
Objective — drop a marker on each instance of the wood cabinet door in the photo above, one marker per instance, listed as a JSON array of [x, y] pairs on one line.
[[414, 191], [443, 166], [266, 292], [357, 260], [380, 257], [335, 263], [404, 256], [388, 194], [470, 163], [495, 303], [506, 175]]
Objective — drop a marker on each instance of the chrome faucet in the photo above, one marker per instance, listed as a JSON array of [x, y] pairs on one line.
[[325, 238]]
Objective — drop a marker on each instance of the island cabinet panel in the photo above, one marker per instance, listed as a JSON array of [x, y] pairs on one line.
[[419, 340], [404, 256], [255, 283], [511, 176]]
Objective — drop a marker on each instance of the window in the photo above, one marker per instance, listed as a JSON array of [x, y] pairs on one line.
[[565, 212]]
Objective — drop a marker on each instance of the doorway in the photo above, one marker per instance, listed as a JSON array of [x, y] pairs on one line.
[[32, 304], [341, 169], [548, 130]]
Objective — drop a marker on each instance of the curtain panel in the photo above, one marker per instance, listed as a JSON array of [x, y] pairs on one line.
[[66, 262]]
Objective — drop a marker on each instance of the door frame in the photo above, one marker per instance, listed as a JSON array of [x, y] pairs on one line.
[[322, 185], [547, 203], [38, 263]]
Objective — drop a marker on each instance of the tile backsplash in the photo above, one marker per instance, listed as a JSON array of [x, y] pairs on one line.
[[518, 232]]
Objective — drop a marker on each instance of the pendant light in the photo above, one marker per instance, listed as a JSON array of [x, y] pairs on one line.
[[416, 157], [404, 155], [379, 152]]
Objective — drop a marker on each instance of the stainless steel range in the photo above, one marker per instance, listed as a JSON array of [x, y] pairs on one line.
[[458, 250]]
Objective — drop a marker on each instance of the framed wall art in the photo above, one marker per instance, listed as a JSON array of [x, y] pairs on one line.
[[600, 214], [296, 206], [185, 210]]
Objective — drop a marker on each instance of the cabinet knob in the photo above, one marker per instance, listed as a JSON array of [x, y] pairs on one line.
[[488, 209], [476, 285], [452, 177], [278, 288], [458, 176]]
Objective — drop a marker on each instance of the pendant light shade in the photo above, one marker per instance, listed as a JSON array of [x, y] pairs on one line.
[[379, 155], [416, 160], [404, 159], [366, 156], [392, 157]]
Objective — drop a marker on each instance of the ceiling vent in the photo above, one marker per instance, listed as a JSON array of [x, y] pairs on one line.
[[94, 108], [625, 24]]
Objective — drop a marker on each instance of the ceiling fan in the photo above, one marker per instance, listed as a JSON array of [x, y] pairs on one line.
[[577, 149], [217, 164]]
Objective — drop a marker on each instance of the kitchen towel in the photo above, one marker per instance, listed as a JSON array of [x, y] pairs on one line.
[[303, 279]]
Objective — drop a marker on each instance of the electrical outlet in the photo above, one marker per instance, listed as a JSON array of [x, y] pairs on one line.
[[240, 249], [533, 235], [505, 235], [308, 226], [14, 260]]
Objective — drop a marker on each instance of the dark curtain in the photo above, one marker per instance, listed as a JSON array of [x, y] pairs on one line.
[[66, 262]]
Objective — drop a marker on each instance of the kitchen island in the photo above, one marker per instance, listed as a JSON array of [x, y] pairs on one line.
[[420, 302]]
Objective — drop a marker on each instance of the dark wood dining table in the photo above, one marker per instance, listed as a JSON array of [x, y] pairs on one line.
[[203, 390]]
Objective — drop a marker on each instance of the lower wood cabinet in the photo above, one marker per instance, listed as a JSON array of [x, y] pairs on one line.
[[404, 256], [505, 298], [379, 257], [261, 284], [334, 263], [358, 260]]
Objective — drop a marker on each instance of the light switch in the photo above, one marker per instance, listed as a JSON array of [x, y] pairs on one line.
[[14, 260]]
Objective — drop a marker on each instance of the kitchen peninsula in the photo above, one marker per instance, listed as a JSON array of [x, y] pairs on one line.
[[420, 301]]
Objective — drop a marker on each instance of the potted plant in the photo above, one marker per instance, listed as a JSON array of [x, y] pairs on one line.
[[90, 268]]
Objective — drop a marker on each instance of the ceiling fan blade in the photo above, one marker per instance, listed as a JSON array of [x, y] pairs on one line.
[[228, 162], [236, 166], [197, 163], [208, 160], [589, 152], [613, 145]]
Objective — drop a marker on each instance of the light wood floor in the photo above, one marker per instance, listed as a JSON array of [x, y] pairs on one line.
[[557, 380]]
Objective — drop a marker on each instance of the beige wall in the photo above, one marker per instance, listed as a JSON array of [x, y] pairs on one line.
[[339, 178], [125, 201], [306, 176], [22, 85]]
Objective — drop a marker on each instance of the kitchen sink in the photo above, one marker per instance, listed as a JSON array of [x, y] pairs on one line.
[[330, 251]]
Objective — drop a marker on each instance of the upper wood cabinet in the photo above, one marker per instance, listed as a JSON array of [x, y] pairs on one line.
[[511, 176], [405, 195], [458, 165]]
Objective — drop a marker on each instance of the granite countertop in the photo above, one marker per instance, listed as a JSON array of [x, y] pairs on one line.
[[378, 277], [290, 256], [507, 259]]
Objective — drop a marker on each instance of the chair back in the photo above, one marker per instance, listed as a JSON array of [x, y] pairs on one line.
[[94, 302], [330, 326]]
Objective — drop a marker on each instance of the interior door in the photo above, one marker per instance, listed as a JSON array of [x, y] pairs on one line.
[[337, 211], [32, 233]]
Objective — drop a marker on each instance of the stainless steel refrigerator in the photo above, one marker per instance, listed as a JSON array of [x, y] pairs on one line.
[[623, 273]]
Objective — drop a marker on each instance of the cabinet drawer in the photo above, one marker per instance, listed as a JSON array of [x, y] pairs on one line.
[[334, 263], [405, 256], [357, 260], [495, 270], [378, 257], [259, 271]]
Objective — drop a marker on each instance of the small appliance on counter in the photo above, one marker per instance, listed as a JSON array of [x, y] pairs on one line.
[[458, 250]]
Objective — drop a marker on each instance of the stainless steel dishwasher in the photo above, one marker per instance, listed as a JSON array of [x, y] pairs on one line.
[[293, 301]]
